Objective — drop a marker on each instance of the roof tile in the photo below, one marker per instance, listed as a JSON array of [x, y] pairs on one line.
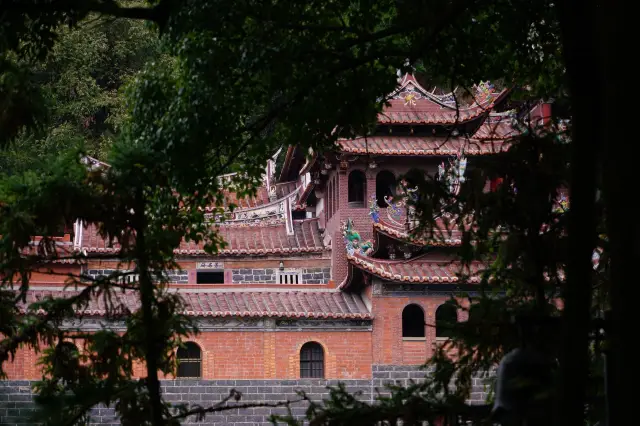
[[255, 239], [416, 270], [307, 304], [417, 145]]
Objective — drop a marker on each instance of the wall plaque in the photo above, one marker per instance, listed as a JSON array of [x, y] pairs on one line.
[[209, 265]]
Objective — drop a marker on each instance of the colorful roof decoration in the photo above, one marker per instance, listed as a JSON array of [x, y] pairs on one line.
[[250, 239], [411, 103], [352, 240], [245, 303], [418, 145], [417, 270]]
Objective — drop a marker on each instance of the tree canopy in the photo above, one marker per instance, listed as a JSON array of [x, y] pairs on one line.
[[75, 91]]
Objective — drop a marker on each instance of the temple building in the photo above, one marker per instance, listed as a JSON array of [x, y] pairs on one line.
[[322, 276]]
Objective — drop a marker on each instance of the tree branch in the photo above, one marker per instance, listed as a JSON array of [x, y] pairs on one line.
[[221, 406]]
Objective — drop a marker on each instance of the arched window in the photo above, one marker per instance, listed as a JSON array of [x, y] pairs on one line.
[[446, 317], [385, 186], [357, 188], [312, 361], [413, 321], [66, 362], [189, 360]]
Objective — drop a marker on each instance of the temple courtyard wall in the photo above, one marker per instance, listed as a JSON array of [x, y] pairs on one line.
[[17, 406]]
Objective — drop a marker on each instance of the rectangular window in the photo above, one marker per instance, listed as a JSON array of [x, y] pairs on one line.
[[210, 277]]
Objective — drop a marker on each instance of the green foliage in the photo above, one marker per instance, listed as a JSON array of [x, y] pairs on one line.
[[73, 92]]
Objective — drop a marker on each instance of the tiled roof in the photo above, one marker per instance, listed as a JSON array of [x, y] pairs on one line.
[[261, 197], [289, 304], [441, 235], [444, 116], [254, 239], [418, 145], [497, 130], [416, 270], [411, 103]]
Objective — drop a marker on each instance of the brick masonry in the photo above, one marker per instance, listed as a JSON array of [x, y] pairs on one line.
[[16, 401], [269, 275]]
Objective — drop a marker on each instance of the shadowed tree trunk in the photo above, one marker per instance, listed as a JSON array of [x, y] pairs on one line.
[[577, 20], [623, 230]]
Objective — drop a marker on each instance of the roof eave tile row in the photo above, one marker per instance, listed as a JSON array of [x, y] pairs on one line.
[[271, 304], [247, 240], [219, 252], [374, 267], [420, 146], [445, 117], [394, 233]]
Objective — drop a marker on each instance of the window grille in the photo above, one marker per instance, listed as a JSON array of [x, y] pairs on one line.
[[189, 361], [289, 277], [312, 361]]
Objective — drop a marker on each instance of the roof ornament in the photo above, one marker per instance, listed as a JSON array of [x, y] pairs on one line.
[[272, 193], [562, 204], [453, 173], [410, 94], [485, 92], [353, 241], [374, 210], [394, 210]]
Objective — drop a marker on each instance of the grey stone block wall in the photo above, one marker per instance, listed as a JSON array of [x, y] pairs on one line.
[[270, 276], [263, 276], [173, 276], [402, 375], [16, 405], [96, 273], [181, 277], [316, 275]]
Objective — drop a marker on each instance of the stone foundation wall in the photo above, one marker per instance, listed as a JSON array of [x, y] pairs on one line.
[[16, 403]]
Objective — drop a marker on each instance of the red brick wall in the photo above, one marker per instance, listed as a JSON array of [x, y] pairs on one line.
[[42, 276], [23, 366], [347, 354], [232, 355], [253, 355], [414, 352], [388, 345]]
